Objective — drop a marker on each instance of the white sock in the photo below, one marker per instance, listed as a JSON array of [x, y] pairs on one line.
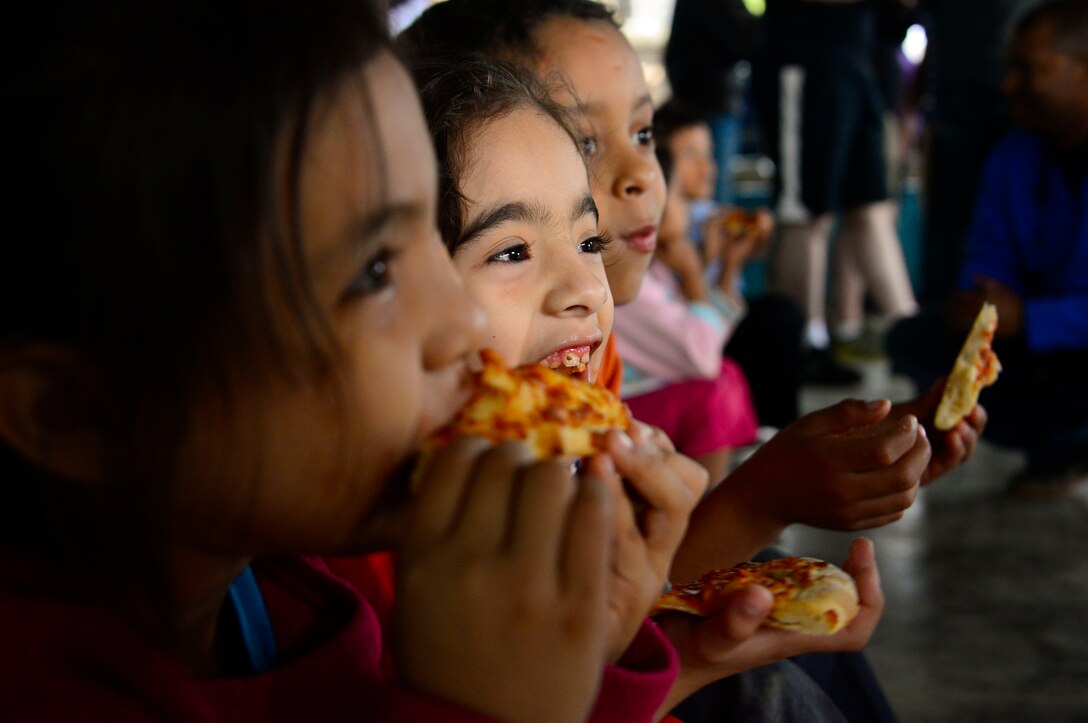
[[816, 335]]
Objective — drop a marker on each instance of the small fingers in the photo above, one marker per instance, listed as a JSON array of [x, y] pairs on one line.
[[486, 515], [443, 478], [861, 565], [880, 446], [542, 497], [586, 548]]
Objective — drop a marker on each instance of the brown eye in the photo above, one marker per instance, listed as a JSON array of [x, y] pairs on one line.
[[515, 254], [375, 275]]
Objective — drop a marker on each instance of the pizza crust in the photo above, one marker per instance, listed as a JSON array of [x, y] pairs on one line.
[[829, 605], [811, 596], [975, 367]]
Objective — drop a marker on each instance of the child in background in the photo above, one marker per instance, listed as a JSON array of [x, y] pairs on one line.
[[767, 340], [516, 213], [812, 472], [218, 358], [851, 466], [671, 338], [509, 176]]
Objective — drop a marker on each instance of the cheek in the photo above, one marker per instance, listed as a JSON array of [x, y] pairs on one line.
[[507, 331], [625, 269]]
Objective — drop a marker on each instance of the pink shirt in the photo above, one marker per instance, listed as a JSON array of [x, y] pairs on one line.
[[664, 338]]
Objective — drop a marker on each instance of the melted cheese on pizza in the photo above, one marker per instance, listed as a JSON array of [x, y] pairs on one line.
[[810, 596], [552, 412]]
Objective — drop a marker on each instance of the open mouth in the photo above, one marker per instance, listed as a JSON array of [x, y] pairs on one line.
[[574, 360]]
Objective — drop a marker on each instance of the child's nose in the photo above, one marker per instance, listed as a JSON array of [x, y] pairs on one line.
[[576, 290], [635, 173]]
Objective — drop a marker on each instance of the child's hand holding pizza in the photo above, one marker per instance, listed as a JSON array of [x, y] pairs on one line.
[[847, 467], [736, 638], [665, 487], [652, 488], [505, 570], [952, 447]]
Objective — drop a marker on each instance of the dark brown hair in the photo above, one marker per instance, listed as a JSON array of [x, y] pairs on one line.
[[460, 93], [148, 237]]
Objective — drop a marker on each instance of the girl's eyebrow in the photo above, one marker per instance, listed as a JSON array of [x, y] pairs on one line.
[[363, 228], [521, 211]]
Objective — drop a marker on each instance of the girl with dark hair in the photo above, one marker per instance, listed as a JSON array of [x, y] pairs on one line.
[[851, 466], [225, 325], [517, 216]]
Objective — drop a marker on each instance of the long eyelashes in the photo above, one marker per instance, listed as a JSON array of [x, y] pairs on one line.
[[597, 244], [518, 253], [513, 254]]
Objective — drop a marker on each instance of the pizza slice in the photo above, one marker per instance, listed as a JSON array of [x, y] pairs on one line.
[[976, 367], [738, 221], [554, 413], [810, 596]]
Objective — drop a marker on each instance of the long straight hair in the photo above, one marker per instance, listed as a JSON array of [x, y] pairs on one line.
[[150, 236]]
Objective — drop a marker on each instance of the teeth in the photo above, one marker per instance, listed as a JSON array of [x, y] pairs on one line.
[[569, 360], [575, 362]]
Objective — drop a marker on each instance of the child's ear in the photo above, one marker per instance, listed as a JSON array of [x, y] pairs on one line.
[[45, 411]]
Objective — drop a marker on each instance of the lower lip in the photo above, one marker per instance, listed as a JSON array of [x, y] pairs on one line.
[[642, 242]]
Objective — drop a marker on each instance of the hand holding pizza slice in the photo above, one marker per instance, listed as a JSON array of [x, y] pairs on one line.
[[810, 596], [556, 415]]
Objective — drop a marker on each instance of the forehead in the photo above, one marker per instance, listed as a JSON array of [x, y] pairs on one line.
[[691, 136], [367, 147], [523, 150], [596, 59]]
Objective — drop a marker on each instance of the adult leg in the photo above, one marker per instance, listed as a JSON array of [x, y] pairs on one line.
[[847, 293], [868, 236], [798, 271]]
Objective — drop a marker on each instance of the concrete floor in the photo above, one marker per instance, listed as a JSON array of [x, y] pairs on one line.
[[987, 595]]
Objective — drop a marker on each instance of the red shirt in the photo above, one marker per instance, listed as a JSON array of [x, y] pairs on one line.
[[65, 661]]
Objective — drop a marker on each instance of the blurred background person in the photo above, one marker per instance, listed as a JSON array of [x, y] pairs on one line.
[[1027, 253], [703, 62], [822, 115]]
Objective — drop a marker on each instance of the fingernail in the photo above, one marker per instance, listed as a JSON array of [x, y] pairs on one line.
[[626, 441]]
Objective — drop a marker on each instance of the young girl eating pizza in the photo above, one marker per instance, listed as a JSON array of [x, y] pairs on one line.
[[528, 251], [216, 358], [851, 466], [516, 213]]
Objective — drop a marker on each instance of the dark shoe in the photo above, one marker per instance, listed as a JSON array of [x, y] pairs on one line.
[[821, 367]]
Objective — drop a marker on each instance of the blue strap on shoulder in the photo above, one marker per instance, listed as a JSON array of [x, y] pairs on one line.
[[253, 621]]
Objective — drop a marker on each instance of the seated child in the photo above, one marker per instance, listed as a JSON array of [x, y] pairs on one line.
[[767, 340], [213, 363], [671, 337], [497, 158], [863, 461]]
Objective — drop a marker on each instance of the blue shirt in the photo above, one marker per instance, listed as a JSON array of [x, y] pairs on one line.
[[1030, 233]]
